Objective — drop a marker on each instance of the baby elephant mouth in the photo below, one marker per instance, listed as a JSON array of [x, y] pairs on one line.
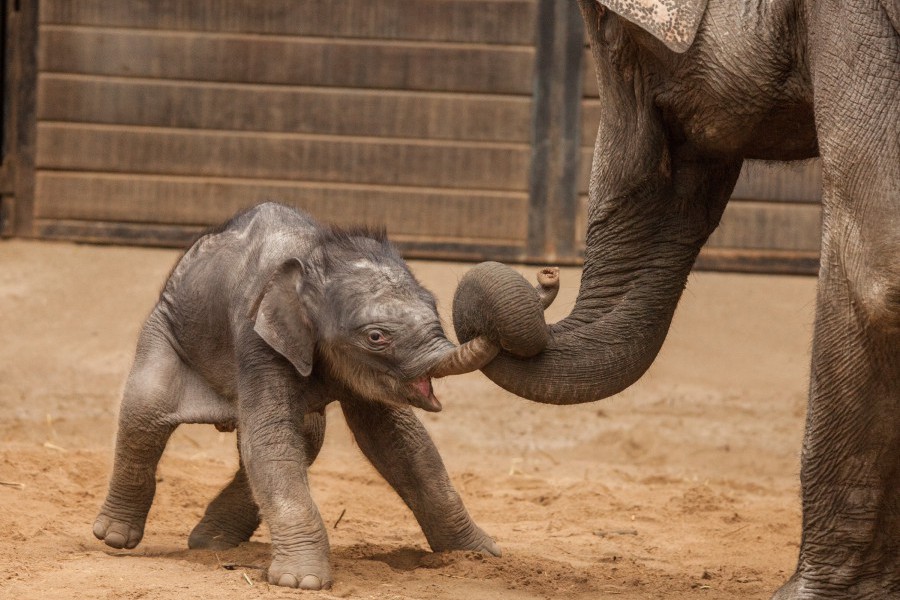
[[466, 358], [422, 395]]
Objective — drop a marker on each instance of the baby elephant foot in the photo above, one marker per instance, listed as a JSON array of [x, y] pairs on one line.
[[476, 540], [210, 535], [485, 545], [118, 533], [230, 519], [303, 574]]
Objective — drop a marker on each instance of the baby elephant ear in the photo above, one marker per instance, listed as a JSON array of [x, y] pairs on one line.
[[282, 320]]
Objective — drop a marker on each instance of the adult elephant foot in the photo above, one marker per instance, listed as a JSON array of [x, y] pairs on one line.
[[789, 590], [801, 588]]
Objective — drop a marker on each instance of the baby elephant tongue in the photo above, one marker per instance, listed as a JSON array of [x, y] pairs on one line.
[[427, 400]]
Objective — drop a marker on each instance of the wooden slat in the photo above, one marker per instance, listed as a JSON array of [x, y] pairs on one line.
[[282, 60], [98, 232], [182, 235], [778, 262], [589, 87], [753, 225], [165, 103], [590, 121], [282, 156], [581, 222], [762, 225], [184, 201], [585, 159], [490, 21], [782, 182]]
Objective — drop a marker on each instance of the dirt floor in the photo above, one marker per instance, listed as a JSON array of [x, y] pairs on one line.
[[685, 486]]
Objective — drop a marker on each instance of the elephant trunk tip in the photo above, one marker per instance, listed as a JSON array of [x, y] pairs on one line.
[[547, 285]]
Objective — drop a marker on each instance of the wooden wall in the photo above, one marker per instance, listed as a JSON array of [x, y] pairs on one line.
[[157, 118], [465, 126]]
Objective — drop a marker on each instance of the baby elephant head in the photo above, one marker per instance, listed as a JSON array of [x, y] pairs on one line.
[[358, 317]]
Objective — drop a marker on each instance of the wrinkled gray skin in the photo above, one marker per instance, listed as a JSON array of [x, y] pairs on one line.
[[775, 80], [259, 326]]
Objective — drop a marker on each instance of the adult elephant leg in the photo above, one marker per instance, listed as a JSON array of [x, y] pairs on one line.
[[850, 470], [397, 444]]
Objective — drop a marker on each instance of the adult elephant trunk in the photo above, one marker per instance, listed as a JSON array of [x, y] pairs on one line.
[[480, 350], [654, 200]]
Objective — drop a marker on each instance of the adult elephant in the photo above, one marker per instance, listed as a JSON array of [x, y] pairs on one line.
[[692, 88]]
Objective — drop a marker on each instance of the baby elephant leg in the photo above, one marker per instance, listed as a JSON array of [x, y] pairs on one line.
[[314, 433], [276, 457], [233, 516], [146, 420], [398, 446]]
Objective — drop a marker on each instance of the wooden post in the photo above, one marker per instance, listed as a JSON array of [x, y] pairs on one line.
[[20, 103], [553, 189]]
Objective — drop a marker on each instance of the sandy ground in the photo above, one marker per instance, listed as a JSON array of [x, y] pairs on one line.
[[685, 486]]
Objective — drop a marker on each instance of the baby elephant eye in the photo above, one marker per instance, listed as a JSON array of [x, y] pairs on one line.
[[377, 338]]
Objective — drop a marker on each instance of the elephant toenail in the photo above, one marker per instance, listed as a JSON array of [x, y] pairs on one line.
[[288, 580], [311, 582]]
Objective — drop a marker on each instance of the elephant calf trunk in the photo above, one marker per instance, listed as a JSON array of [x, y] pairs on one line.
[[479, 351], [471, 356]]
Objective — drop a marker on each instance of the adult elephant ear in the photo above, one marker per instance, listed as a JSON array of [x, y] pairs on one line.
[[673, 22]]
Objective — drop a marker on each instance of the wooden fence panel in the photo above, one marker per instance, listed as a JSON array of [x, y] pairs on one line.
[[157, 118], [374, 64], [282, 156], [295, 109], [466, 126], [481, 21], [482, 218]]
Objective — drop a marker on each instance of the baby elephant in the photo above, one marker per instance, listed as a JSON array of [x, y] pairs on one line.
[[260, 325]]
